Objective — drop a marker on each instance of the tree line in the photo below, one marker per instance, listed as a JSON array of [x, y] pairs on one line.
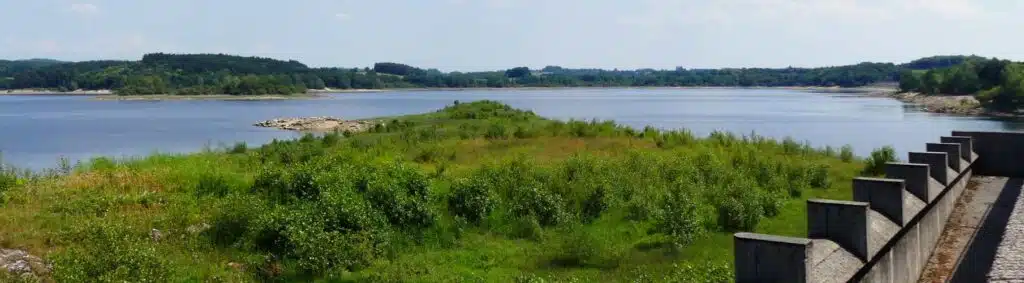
[[161, 73], [997, 84]]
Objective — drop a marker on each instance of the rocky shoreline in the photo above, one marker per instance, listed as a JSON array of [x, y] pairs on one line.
[[318, 124], [945, 104]]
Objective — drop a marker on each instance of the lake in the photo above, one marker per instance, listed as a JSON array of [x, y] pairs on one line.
[[38, 130]]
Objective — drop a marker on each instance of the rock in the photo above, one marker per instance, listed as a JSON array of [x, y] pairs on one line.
[[155, 235], [21, 263], [317, 124]]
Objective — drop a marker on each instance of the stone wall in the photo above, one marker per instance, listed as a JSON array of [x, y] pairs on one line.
[[885, 235]]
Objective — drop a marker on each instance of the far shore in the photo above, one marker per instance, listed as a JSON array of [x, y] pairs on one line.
[[162, 97], [108, 95]]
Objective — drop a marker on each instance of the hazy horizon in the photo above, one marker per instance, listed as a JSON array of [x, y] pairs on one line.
[[485, 35]]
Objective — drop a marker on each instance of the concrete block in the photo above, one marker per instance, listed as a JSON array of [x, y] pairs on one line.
[[966, 146], [952, 151], [831, 263], [767, 258], [843, 222], [882, 195], [938, 164], [915, 177]]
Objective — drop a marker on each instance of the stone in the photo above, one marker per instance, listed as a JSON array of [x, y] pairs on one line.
[[318, 124], [155, 235], [21, 263]]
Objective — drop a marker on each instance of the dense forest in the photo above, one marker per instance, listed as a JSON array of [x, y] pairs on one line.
[[997, 84], [161, 73]]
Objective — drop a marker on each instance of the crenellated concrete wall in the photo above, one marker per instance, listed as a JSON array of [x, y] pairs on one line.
[[998, 154], [889, 230]]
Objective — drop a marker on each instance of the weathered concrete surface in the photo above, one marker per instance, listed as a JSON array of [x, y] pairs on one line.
[[967, 247], [952, 151], [1009, 259], [916, 178], [967, 146], [938, 165], [767, 258], [843, 222], [831, 263]]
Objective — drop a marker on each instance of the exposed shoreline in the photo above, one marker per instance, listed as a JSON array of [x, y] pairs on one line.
[[318, 124], [959, 105], [225, 97]]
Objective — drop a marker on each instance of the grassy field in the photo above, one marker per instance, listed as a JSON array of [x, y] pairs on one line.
[[474, 192]]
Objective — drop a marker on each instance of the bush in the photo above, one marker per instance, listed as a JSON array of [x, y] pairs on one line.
[[471, 200], [212, 184], [110, 253], [818, 176], [402, 194], [538, 203], [594, 205], [875, 165], [680, 218], [581, 248], [239, 148], [232, 218], [740, 210], [846, 153]]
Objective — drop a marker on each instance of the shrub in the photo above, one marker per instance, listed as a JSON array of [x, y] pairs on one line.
[[740, 210], [680, 218], [526, 228], [331, 139], [846, 153], [212, 184], [594, 205], [875, 164], [110, 253], [818, 176], [581, 248], [402, 194], [239, 148], [471, 200], [707, 272], [496, 131], [538, 203], [232, 218]]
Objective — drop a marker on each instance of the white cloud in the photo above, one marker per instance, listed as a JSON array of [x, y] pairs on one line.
[[342, 16], [84, 8]]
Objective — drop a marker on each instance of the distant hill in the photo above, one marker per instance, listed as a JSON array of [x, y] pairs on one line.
[[935, 62]]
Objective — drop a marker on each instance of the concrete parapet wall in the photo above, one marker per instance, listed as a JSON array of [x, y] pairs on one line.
[[886, 235], [998, 154]]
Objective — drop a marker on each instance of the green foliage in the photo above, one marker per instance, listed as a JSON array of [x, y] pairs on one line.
[[576, 200], [846, 153], [110, 253], [199, 74], [875, 164], [471, 199], [679, 218]]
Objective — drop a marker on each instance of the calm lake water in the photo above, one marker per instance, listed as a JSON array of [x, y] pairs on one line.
[[38, 130]]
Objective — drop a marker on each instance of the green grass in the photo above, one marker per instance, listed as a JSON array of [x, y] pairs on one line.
[[473, 192]]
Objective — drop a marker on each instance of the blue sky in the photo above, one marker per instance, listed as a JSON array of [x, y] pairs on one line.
[[496, 34]]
